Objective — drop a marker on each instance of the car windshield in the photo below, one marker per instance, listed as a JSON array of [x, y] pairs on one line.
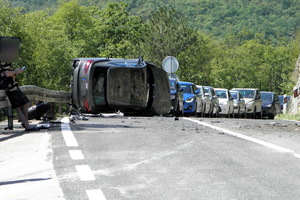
[[172, 85], [206, 90], [247, 93], [126, 64], [234, 95], [266, 96], [187, 88], [221, 94]]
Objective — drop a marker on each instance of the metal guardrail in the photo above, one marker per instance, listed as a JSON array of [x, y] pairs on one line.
[[34, 93]]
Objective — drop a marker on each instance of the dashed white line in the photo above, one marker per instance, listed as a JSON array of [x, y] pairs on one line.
[[76, 154], [95, 195], [85, 173], [257, 141], [68, 134]]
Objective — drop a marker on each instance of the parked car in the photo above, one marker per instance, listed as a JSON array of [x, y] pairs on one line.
[[225, 102], [192, 103], [215, 107], [207, 104], [239, 104], [176, 97], [128, 85], [253, 101], [282, 100], [270, 104]]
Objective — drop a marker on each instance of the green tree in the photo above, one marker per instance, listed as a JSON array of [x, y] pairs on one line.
[[166, 34], [10, 20], [118, 32], [195, 61]]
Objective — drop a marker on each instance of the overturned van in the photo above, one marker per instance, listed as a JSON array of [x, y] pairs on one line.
[[129, 85]]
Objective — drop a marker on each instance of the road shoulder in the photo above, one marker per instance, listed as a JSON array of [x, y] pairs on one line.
[[26, 165]]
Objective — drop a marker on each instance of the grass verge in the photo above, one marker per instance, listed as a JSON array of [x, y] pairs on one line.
[[288, 116]]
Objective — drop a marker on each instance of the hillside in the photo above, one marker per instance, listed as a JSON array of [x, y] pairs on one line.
[[275, 20]]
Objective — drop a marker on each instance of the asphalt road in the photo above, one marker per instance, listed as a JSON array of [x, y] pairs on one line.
[[157, 158]]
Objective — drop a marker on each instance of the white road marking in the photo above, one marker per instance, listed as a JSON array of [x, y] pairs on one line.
[[257, 141], [95, 195], [68, 134], [85, 173], [76, 154]]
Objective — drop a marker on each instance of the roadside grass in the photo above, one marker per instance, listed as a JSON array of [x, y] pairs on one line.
[[288, 116]]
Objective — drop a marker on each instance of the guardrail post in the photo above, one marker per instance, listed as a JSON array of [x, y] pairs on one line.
[[10, 118]]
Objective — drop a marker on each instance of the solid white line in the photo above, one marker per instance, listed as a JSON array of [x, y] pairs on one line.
[[95, 195], [76, 154], [85, 173], [68, 134], [257, 141]]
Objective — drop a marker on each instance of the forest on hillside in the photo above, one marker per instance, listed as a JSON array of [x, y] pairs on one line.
[[277, 20], [51, 38]]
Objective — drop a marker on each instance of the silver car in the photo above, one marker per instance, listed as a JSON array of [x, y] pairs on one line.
[[239, 104], [214, 108], [253, 101], [225, 102], [207, 105]]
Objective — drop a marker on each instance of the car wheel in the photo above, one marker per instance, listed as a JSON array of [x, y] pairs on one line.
[[195, 111], [239, 115], [217, 113], [272, 116], [228, 114], [203, 111], [259, 114], [245, 113], [177, 111], [232, 112], [210, 113], [254, 113]]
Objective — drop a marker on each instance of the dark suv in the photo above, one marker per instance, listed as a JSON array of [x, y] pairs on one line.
[[270, 105], [101, 85]]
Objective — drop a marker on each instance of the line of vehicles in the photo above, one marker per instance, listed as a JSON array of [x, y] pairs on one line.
[[205, 101], [137, 86]]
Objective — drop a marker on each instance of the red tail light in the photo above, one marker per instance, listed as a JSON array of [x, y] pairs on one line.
[[87, 66], [86, 105]]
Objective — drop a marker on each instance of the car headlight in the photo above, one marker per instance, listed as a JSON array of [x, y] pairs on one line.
[[269, 105], [223, 103], [173, 96], [190, 100], [250, 103]]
